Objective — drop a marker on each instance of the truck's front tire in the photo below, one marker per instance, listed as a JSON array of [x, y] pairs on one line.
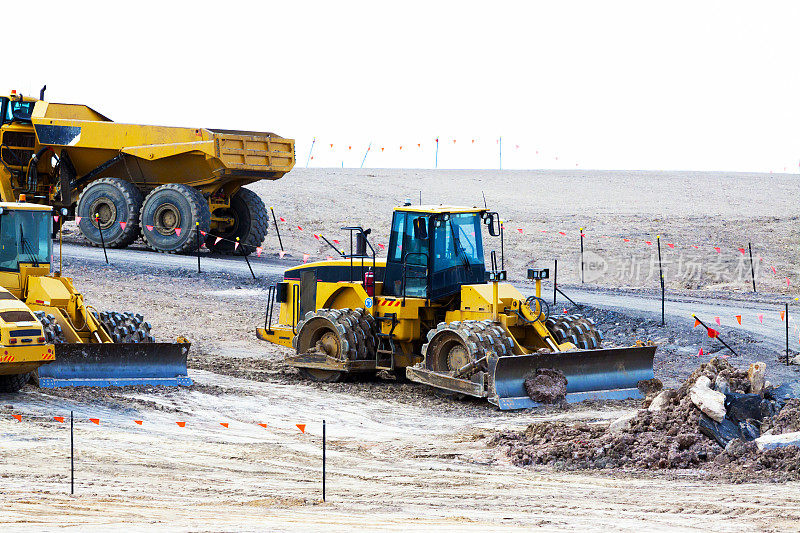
[[251, 222], [171, 217], [113, 200]]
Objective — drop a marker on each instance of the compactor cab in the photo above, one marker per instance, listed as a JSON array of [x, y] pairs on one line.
[[434, 250], [432, 312]]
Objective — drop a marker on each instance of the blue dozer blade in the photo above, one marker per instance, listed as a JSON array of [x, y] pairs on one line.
[[116, 365], [606, 374]]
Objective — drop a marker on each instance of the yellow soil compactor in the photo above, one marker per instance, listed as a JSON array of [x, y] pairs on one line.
[[127, 180], [47, 331], [432, 312]]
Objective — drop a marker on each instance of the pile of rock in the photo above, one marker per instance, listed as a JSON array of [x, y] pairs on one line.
[[719, 418]]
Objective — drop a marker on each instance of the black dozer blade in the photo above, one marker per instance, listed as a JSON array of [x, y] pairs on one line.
[[612, 373], [117, 365]]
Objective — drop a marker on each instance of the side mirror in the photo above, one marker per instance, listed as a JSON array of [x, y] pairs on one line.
[[421, 228], [493, 221]]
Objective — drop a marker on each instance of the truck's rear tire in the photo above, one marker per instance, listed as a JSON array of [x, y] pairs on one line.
[[114, 200], [251, 222], [171, 217], [14, 382]]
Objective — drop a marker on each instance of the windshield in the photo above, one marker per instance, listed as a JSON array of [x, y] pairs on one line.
[[24, 238], [17, 110], [456, 241]]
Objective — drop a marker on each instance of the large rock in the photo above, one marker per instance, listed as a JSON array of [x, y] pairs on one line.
[[768, 442], [661, 400], [622, 423], [756, 376], [709, 401]]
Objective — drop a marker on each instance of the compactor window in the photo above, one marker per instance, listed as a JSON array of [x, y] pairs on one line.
[[456, 241], [24, 238]]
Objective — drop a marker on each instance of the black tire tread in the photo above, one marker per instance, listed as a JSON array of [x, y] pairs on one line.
[[259, 226], [134, 199], [200, 212]]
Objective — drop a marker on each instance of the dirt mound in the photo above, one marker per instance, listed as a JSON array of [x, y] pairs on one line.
[[668, 438], [547, 386]]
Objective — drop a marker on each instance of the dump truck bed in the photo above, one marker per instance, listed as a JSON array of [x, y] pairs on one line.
[[195, 156]]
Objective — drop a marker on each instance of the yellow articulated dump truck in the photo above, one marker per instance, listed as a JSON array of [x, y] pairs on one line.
[[125, 181]]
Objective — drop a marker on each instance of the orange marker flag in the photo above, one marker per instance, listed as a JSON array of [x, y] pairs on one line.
[[121, 225], [670, 245], [58, 418], [717, 249], [95, 421], [419, 145], [178, 232], [761, 318], [224, 424], [305, 258], [18, 417], [381, 148], [626, 240], [782, 316], [138, 422], [716, 319], [519, 230], [263, 425], [696, 323], [301, 427], [742, 250], [713, 333], [181, 424], [739, 319], [700, 353]]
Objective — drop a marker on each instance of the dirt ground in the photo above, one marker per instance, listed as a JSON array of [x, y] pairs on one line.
[[399, 456]]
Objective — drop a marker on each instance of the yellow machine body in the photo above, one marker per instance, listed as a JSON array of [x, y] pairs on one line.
[[46, 306], [53, 152], [431, 312]]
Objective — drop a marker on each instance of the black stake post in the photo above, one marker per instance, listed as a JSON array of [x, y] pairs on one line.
[[323, 460], [555, 279], [71, 454], [197, 225], [246, 259], [573, 302], [277, 230], [786, 316], [102, 240], [752, 269], [716, 336], [581, 255], [661, 277]]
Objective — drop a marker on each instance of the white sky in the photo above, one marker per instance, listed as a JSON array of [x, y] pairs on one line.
[[597, 84]]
